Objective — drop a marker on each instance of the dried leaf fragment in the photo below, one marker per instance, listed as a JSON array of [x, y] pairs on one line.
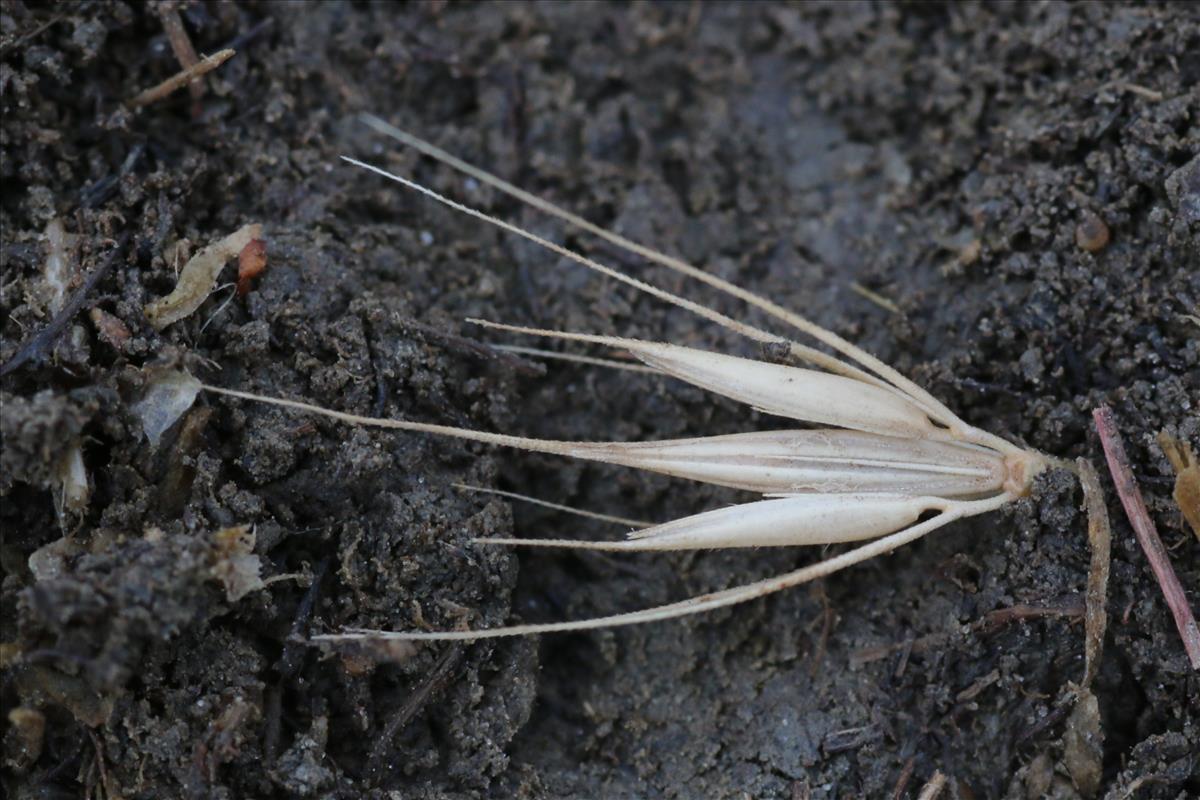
[[57, 273], [199, 277], [72, 477], [1187, 478], [236, 567], [1083, 744], [169, 394], [176, 484], [112, 330], [1100, 540]]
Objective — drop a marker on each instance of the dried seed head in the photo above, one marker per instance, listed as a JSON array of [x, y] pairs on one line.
[[899, 453]]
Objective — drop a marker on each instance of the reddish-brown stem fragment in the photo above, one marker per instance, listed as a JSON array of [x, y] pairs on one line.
[[181, 44], [1147, 535]]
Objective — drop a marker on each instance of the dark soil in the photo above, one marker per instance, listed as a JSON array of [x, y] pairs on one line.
[[942, 156]]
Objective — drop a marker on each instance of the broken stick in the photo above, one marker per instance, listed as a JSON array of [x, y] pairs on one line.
[[1147, 535], [182, 78]]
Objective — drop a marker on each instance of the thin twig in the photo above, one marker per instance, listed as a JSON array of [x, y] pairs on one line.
[[181, 44], [99, 746], [1048, 720], [294, 650], [100, 191], [1142, 91], [182, 78], [41, 341], [432, 683], [23, 38], [906, 774], [1147, 535]]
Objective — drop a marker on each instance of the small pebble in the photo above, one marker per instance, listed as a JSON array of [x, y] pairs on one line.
[[1091, 234]]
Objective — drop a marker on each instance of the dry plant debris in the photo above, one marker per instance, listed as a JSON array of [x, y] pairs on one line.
[[199, 277], [181, 44], [933, 787], [169, 393], [111, 329], [1100, 544], [236, 567], [1147, 534], [580, 124], [1187, 478], [893, 456], [59, 245], [1083, 744], [182, 78], [37, 345]]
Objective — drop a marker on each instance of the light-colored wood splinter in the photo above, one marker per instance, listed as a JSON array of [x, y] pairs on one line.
[[182, 78], [890, 462]]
